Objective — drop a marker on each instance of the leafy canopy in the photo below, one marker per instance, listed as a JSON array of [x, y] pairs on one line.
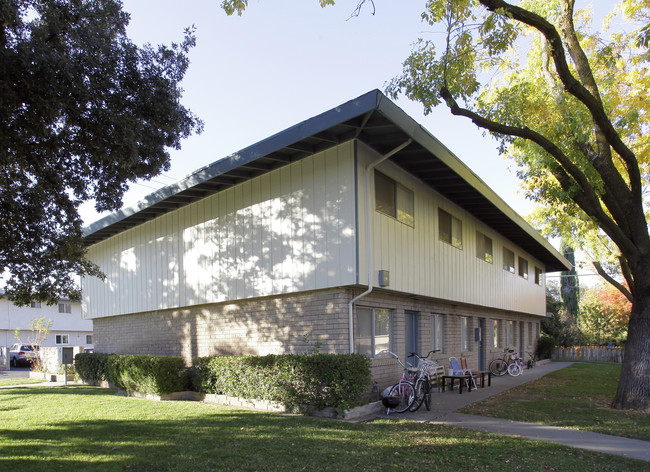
[[83, 112], [508, 77]]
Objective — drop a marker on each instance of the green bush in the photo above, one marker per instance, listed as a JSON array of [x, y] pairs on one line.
[[545, 347], [91, 367], [156, 375], [316, 380]]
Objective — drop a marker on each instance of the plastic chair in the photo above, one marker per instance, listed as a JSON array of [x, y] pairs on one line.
[[464, 366], [455, 367]]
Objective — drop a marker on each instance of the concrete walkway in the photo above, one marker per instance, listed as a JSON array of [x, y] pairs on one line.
[[444, 406]]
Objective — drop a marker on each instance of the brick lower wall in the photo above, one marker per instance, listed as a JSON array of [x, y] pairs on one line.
[[297, 324], [288, 324]]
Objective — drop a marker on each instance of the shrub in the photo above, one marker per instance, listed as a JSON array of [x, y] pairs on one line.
[[91, 367], [545, 347], [156, 375], [316, 380]]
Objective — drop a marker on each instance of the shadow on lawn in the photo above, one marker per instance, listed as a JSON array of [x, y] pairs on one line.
[[89, 428]]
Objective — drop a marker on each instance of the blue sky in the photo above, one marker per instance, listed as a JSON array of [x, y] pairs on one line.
[[285, 61]]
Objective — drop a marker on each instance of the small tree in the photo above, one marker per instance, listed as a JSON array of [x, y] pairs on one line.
[[39, 329], [604, 315]]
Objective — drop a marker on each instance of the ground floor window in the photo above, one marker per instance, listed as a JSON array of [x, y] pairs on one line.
[[438, 331], [510, 334], [465, 327], [61, 339], [373, 331]]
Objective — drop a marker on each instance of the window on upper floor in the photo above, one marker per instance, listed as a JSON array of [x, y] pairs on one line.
[[523, 268], [508, 260], [61, 339], [65, 308], [484, 247], [539, 280], [89, 339], [393, 199], [450, 229], [35, 305]]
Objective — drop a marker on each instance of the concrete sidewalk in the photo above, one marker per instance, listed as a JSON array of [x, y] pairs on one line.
[[445, 404]]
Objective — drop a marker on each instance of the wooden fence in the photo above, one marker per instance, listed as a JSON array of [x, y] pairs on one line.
[[589, 353]]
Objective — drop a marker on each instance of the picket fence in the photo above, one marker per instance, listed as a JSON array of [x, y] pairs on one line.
[[590, 353]]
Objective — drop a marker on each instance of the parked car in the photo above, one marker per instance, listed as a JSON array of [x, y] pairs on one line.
[[22, 354]]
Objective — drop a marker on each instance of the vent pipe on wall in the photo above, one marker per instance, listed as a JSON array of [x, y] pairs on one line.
[[370, 167]]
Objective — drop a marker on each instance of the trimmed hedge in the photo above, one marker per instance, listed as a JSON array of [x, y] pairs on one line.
[[316, 380], [156, 375], [92, 368]]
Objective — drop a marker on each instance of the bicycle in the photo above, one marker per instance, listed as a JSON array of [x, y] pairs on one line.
[[531, 360], [499, 366], [516, 367], [423, 380], [400, 396]]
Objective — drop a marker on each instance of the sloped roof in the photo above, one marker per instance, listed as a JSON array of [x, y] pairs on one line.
[[379, 123]]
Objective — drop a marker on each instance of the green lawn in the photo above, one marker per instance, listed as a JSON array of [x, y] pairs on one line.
[[83, 428], [575, 397], [19, 381]]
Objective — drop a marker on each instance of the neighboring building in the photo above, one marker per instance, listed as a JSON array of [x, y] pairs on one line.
[[272, 249], [68, 326]]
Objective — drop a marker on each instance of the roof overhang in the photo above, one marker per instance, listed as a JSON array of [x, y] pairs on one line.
[[378, 122]]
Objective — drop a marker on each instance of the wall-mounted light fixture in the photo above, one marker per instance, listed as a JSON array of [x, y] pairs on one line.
[[384, 278]]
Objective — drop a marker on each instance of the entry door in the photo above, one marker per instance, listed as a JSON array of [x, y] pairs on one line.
[[412, 337], [521, 339]]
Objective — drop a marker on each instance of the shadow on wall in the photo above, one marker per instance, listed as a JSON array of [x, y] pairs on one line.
[[309, 322]]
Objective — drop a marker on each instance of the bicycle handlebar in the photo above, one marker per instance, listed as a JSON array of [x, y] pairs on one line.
[[415, 354]]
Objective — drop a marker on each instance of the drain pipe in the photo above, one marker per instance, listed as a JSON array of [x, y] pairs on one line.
[[370, 167]]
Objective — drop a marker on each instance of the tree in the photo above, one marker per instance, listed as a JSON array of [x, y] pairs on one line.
[[604, 315], [39, 328], [573, 114], [570, 291], [559, 325], [83, 112]]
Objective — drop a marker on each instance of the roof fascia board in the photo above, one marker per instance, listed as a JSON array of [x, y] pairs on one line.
[[349, 110], [433, 145]]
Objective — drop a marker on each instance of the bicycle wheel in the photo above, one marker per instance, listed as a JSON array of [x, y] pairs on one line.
[[419, 395], [498, 367], [404, 393], [422, 395], [514, 369], [427, 394]]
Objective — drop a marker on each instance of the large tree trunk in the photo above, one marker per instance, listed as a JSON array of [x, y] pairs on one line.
[[634, 385]]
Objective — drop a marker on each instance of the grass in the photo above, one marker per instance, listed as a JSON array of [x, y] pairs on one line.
[[19, 381], [575, 397], [84, 428]]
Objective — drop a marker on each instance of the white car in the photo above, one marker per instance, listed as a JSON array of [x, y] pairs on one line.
[[22, 354]]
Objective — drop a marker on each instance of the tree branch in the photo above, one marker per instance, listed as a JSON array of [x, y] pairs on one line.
[[601, 160], [619, 286], [574, 87], [567, 174]]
